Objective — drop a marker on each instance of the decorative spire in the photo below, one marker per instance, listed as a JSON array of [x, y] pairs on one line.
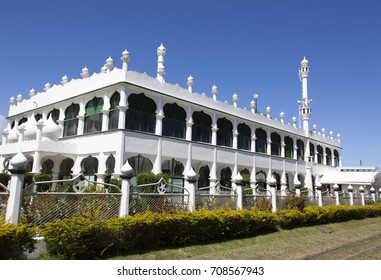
[[19, 98], [214, 92], [268, 112], [64, 80], [161, 52], [190, 83], [85, 73], [252, 106], [235, 100], [32, 93], [126, 59], [109, 64], [47, 86], [281, 117]]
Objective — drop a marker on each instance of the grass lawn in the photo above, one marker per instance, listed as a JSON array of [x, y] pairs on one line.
[[356, 239]]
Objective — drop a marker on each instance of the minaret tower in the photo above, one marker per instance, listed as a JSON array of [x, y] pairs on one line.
[[305, 110], [161, 51]]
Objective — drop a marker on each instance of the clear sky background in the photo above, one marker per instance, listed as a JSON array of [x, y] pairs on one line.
[[245, 47]]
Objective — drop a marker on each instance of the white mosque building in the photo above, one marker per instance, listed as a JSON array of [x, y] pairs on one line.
[[95, 123]]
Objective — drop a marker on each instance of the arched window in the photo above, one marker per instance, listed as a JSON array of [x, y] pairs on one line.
[[328, 156], [245, 173], [261, 180], [174, 121], [244, 136], [261, 141], [140, 164], [65, 168], [38, 117], [320, 154], [277, 178], [23, 120], [110, 164], [71, 120], [141, 114], [337, 158], [225, 178], [312, 152], [289, 147], [54, 114], [203, 179], [47, 166], [173, 168], [93, 115], [300, 151], [202, 127], [224, 132], [113, 115], [90, 167], [275, 144]]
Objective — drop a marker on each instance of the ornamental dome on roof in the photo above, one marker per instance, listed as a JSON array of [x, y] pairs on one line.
[[30, 128], [51, 130]]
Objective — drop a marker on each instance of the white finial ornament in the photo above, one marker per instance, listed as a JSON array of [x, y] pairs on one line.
[[64, 80], [85, 73], [32, 93], [109, 64], [190, 83], [235, 100], [294, 121], [268, 111], [12, 101], [281, 117], [253, 106], [214, 92], [19, 98], [47, 86], [126, 59]]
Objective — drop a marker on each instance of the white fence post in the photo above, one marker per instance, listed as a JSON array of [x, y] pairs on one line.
[[373, 194], [362, 190], [239, 182], [126, 176], [350, 190], [192, 179], [336, 189], [19, 163], [272, 183]]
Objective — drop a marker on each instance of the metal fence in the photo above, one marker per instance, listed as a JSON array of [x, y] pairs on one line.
[[257, 198], [50, 201], [216, 197], [159, 197], [4, 194]]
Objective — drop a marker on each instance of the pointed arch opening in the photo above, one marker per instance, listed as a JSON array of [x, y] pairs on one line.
[[141, 114]]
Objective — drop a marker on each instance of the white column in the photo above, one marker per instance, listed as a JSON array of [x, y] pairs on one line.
[[191, 187], [105, 120], [188, 134], [126, 176], [362, 190], [157, 164], [350, 191], [19, 163]]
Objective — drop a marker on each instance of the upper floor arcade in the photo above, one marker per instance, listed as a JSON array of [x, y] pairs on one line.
[[132, 108]]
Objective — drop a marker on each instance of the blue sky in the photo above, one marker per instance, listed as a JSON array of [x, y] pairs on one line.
[[241, 46]]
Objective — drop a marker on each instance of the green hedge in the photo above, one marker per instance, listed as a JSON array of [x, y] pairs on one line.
[[15, 241], [315, 215], [81, 238]]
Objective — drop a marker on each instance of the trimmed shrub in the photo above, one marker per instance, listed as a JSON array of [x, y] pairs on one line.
[[16, 241], [149, 178], [80, 238]]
